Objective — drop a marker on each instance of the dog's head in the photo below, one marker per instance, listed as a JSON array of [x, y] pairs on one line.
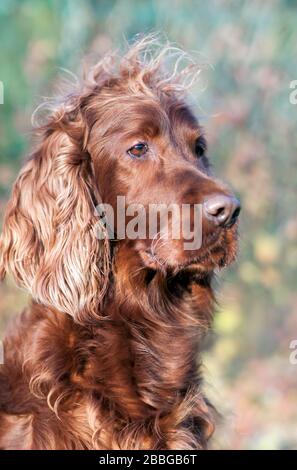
[[127, 141]]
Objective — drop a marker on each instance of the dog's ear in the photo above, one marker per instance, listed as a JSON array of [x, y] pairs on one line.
[[49, 240]]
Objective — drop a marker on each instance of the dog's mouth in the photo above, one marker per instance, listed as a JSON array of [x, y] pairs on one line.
[[217, 255], [217, 252]]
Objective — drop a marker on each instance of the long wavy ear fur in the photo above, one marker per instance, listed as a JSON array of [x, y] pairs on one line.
[[48, 241]]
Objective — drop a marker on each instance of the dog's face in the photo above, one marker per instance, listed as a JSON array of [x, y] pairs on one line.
[[125, 131], [151, 151]]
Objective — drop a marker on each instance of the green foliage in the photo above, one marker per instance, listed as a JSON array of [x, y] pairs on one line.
[[251, 126]]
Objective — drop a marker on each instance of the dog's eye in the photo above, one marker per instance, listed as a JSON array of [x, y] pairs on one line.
[[200, 146], [138, 150]]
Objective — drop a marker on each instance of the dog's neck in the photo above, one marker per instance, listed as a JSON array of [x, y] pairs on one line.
[[158, 327]]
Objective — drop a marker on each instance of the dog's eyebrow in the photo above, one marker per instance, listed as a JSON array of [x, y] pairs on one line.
[[136, 119], [146, 128], [180, 113], [183, 122]]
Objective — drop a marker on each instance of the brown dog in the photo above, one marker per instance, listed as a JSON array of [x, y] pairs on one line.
[[106, 355]]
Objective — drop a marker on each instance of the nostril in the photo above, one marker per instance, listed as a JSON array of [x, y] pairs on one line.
[[236, 212], [219, 211]]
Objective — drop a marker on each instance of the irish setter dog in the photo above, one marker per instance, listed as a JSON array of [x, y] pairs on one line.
[[107, 354]]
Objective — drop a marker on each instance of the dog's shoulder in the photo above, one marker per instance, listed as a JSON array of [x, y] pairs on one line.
[[39, 356]]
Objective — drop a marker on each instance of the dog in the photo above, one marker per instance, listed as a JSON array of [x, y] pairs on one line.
[[107, 354]]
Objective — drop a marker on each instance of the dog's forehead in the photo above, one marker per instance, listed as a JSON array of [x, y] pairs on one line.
[[154, 116]]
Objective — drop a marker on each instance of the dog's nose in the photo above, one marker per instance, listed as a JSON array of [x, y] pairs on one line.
[[221, 209]]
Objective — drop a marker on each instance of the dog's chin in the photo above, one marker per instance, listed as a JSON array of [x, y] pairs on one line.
[[202, 265]]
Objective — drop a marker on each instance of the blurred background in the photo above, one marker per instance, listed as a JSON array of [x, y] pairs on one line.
[[251, 127]]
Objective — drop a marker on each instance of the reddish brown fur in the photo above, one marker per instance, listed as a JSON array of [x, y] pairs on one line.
[[106, 355]]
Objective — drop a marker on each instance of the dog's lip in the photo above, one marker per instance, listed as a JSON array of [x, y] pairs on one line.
[[215, 258], [212, 257], [202, 262]]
